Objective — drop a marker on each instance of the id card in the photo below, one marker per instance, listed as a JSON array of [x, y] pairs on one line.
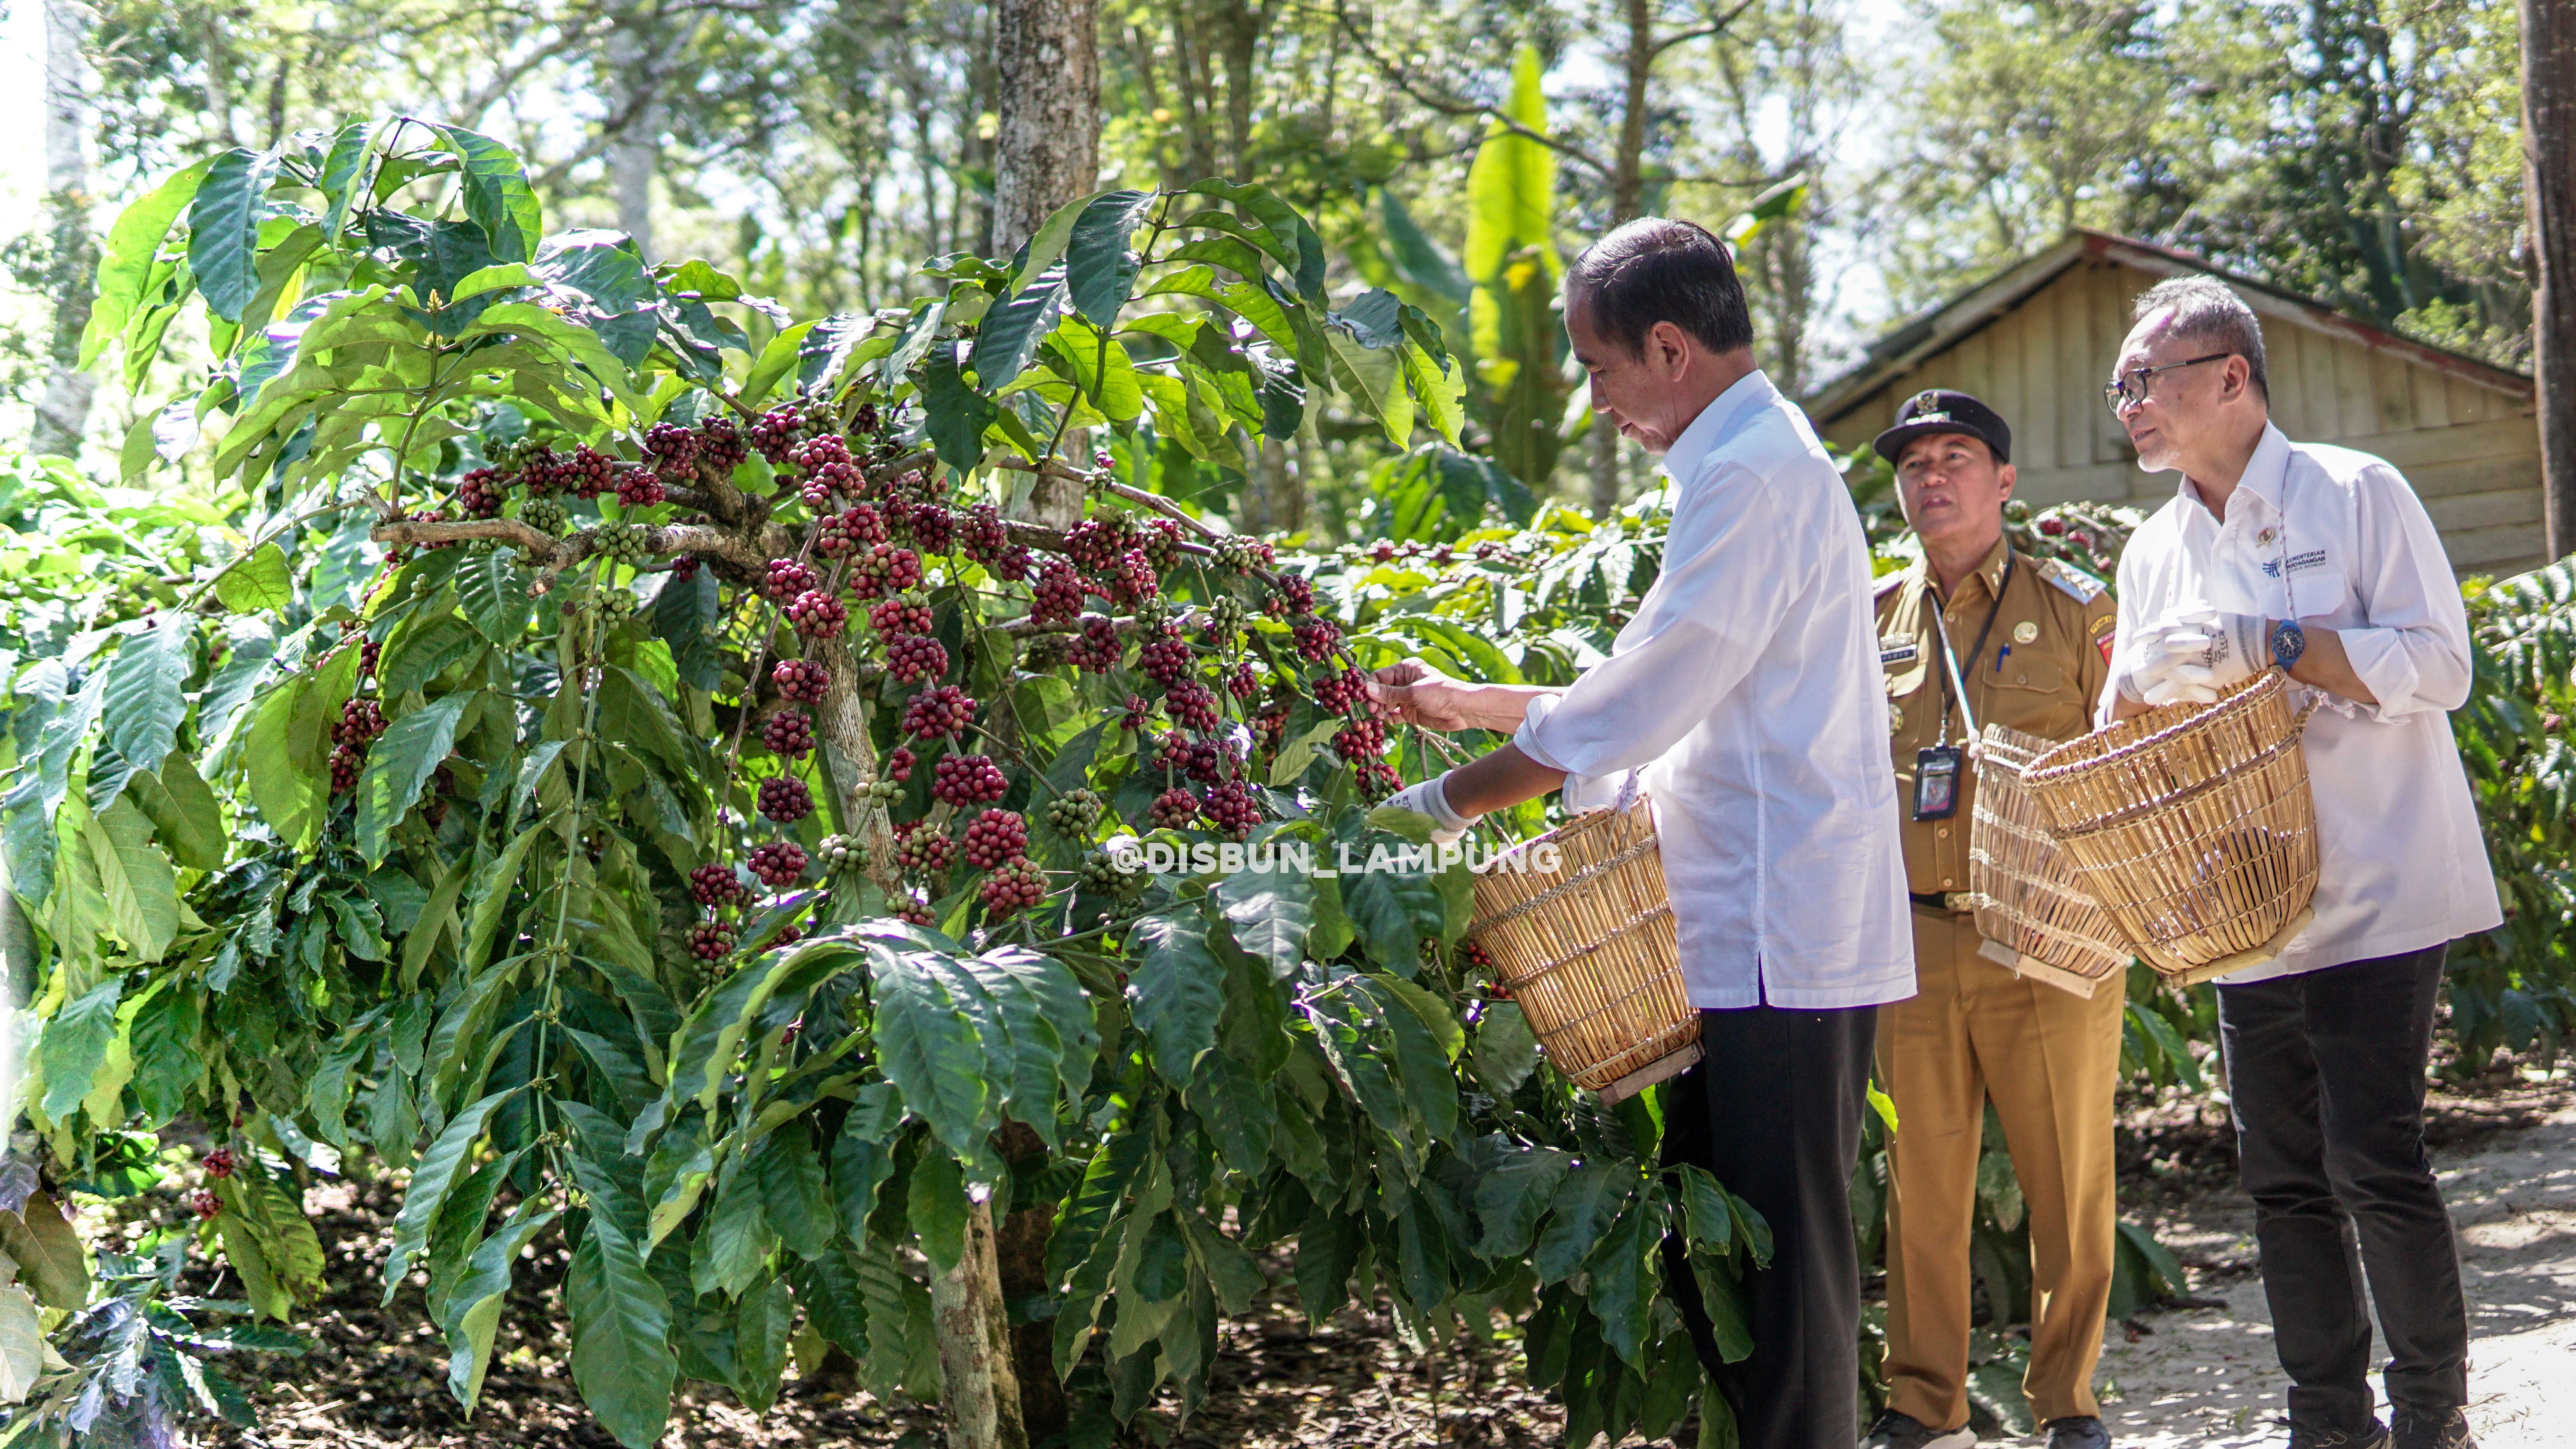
[[1936, 782]]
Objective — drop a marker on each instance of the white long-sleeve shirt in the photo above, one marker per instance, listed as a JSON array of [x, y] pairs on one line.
[[2336, 539], [1748, 683]]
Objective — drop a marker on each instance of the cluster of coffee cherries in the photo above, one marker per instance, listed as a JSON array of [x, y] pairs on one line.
[[361, 720]]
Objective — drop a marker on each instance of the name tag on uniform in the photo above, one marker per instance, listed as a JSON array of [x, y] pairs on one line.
[[1892, 652]]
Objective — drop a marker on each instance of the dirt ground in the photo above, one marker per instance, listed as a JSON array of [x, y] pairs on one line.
[[2507, 1159], [2192, 1375]]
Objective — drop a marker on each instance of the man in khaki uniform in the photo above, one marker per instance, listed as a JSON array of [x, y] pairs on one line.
[[2032, 648]]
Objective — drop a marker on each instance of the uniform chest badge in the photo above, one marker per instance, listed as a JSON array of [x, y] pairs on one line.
[[2025, 631], [1896, 650]]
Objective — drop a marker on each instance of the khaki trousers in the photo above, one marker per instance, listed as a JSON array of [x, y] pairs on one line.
[[2050, 1060]]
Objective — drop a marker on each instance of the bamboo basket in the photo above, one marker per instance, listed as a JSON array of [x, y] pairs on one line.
[[2031, 905], [1589, 953], [2193, 826]]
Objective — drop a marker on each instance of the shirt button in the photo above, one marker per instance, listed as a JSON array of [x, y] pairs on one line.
[[1944, 832], [1945, 880], [2021, 679]]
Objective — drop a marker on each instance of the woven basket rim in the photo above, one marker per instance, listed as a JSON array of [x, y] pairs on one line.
[[2245, 699], [1589, 820]]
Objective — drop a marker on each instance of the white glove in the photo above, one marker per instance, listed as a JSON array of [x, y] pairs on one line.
[[2192, 657], [1429, 798]]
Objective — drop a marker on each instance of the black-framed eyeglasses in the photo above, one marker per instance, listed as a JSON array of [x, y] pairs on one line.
[[2128, 389]]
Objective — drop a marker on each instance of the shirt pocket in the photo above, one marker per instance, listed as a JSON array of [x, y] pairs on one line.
[[2038, 696], [2322, 592]]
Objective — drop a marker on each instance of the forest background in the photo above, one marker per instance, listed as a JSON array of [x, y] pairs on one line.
[[2359, 151]]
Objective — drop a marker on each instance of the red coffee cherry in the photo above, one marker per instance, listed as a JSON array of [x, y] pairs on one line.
[[778, 863], [789, 734], [800, 679], [785, 799], [711, 940], [995, 836], [1018, 885]]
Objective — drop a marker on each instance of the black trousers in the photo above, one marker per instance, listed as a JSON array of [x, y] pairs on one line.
[[1774, 1111], [2327, 1073]]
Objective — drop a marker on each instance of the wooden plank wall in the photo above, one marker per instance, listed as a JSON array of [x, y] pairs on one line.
[[2470, 450]]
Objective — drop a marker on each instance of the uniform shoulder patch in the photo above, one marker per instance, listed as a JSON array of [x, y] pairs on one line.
[[2081, 586]]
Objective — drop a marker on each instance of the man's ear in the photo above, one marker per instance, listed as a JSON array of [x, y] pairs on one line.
[[1668, 347], [2005, 477], [2235, 378]]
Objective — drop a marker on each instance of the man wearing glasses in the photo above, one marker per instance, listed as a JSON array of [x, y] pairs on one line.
[[1976, 634], [2321, 560]]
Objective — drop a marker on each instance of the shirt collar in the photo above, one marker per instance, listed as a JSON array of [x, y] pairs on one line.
[[1718, 422], [2266, 475], [1991, 571]]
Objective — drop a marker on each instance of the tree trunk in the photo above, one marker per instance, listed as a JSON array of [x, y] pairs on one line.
[[62, 412], [2549, 189], [1627, 199], [1046, 54], [978, 1386], [635, 154], [1047, 147], [1020, 1253]]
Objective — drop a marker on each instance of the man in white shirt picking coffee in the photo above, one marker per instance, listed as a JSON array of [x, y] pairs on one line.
[[2320, 559], [1748, 687]]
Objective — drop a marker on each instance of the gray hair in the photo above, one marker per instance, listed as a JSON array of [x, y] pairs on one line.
[[2208, 311]]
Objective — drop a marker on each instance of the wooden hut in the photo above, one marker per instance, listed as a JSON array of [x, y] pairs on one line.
[[2037, 342]]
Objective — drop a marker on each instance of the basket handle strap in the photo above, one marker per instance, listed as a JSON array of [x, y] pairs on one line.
[[2315, 698], [1628, 786]]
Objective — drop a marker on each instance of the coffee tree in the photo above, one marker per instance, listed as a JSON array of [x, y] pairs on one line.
[[669, 789]]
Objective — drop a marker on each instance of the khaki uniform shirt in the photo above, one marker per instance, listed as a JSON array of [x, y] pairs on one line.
[[2045, 662]]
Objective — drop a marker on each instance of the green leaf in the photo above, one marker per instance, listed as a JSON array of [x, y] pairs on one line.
[[1327, 1252], [932, 1049], [494, 592], [863, 1155], [492, 891], [350, 149], [794, 1193], [621, 1329], [1622, 1279], [955, 413], [474, 1308], [938, 1208], [497, 195], [145, 680], [1011, 330], [1511, 185], [75, 1042], [733, 1247], [777, 359], [39, 1238], [1270, 912], [1586, 1203], [1707, 1222], [223, 230], [1721, 1296], [1099, 270], [431, 1179], [125, 261], [1506, 1050], [399, 764], [1176, 992], [258, 583], [1512, 1193], [141, 890], [1417, 258]]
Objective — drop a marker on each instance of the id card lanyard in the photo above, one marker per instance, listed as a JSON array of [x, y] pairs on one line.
[[1936, 766]]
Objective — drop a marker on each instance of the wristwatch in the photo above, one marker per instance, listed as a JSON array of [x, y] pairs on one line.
[[2289, 641]]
